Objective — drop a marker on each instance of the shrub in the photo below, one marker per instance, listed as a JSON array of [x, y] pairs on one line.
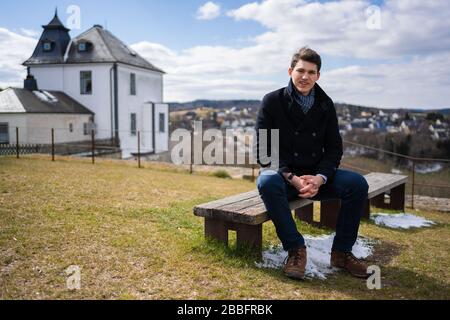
[[221, 174]]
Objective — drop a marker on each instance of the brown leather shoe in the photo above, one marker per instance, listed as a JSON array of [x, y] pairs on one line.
[[347, 261], [296, 263]]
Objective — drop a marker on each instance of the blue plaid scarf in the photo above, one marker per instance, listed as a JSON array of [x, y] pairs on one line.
[[305, 102]]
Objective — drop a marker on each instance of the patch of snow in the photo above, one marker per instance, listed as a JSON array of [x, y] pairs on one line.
[[318, 252], [45, 96], [9, 102], [400, 221], [396, 171], [357, 151], [428, 168]]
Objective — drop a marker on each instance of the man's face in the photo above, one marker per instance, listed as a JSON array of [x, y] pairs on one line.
[[304, 75]]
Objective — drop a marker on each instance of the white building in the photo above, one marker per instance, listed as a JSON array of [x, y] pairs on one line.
[[97, 70], [36, 113]]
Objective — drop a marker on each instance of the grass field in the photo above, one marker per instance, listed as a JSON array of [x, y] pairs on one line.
[[133, 234]]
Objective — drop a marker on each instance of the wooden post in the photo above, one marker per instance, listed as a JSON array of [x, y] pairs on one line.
[[329, 211], [53, 144], [139, 149], [366, 212], [398, 198], [93, 146], [216, 229], [305, 213], [378, 201], [17, 142], [249, 237]]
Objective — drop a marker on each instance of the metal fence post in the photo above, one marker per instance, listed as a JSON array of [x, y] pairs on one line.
[[53, 144], [93, 146], [139, 148], [192, 152], [17, 142]]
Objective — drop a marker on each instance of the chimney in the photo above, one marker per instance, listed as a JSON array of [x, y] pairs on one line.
[[30, 82]]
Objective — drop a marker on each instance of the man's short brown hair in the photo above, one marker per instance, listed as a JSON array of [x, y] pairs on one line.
[[306, 54]]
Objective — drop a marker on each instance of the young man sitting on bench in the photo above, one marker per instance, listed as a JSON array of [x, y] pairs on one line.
[[310, 152]]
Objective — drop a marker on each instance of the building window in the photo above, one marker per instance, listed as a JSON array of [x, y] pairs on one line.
[[162, 122], [133, 124], [4, 133], [132, 84], [84, 46], [47, 46], [86, 82], [71, 127]]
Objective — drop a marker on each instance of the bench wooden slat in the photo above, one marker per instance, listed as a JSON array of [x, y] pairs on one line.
[[231, 199], [382, 182], [248, 207]]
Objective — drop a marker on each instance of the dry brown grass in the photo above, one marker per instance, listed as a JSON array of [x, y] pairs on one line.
[[134, 236]]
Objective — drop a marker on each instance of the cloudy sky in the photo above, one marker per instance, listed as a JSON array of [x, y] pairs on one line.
[[375, 53]]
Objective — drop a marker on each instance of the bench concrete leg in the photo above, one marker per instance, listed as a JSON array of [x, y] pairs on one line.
[[398, 198], [216, 229], [305, 213], [329, 211]]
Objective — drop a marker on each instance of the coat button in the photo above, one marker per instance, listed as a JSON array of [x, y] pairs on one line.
[[314, 154], [296, 133], [313, 134], [296, 154]]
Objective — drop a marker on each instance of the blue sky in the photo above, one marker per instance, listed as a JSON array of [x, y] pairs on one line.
[[169, 22], [244, 49]]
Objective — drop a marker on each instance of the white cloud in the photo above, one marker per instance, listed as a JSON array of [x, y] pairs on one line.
[[226, 73], [421, 82], [340, 28], [208, 11], [413, 72], [15, 50], [29, 32]]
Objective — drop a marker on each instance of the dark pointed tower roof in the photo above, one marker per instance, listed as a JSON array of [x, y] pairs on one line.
[[52, 44], [55, 23]]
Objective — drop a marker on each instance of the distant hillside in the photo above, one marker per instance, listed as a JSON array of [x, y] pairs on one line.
[[215, 104], [254, 104]]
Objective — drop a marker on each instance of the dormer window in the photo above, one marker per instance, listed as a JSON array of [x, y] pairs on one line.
[[84, 46], [47, 46]]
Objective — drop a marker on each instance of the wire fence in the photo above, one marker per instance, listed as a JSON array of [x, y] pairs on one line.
[[140, 146], [422, 172]]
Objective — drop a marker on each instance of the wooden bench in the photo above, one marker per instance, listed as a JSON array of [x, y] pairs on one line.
[[245, 213]]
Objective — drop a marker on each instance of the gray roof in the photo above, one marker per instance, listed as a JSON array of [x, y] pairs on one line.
[[15, 100], [58, 35], [106, 48]]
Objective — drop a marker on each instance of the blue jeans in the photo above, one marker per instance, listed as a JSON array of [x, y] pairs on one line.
[[350, 187]]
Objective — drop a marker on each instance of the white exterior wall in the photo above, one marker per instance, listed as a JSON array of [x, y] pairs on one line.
[[149, 88], [13, 121], [162, 138], [66, 78], [39, 128], [36, 128]]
